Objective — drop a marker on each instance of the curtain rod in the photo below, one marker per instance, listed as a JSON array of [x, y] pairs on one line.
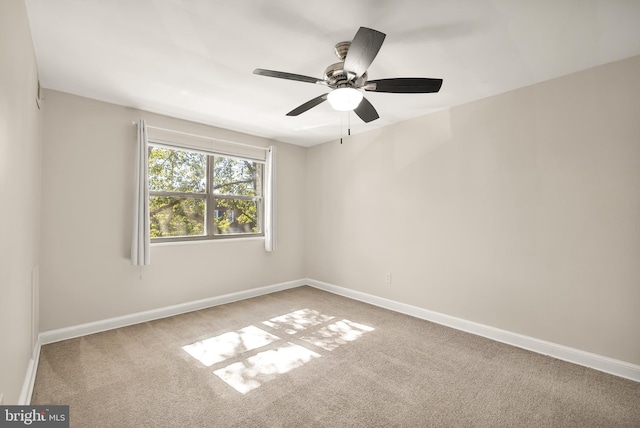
[[205, 137]]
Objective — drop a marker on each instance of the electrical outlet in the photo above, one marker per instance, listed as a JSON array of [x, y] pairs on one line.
[[387, 278]]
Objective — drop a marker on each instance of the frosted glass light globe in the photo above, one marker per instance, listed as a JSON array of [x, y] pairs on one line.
[[344, 99]]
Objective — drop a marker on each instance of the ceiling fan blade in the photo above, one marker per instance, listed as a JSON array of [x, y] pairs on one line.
[[405, 85], [366, 111], [363, 50], [288, 76], [308, 105]]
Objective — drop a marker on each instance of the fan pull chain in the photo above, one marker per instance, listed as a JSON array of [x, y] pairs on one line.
[[348, 125]]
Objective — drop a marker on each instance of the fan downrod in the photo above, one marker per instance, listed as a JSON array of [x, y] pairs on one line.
[[341, 50]]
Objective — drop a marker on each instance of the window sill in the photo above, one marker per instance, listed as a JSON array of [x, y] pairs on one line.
[[206, 241]]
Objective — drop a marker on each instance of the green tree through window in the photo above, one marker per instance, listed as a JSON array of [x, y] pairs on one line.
[[198, 196]]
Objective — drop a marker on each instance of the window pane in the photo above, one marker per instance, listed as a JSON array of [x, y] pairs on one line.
[[173, 216], [236, 216], [177, 170], [236, 177]]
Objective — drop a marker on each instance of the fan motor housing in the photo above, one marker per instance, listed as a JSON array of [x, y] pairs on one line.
[[336, 77], [335, 73]]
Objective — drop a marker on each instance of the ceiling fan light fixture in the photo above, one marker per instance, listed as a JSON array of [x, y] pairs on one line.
[[344, 99]]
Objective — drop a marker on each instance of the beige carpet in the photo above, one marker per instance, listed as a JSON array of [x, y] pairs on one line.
[[307, 358]]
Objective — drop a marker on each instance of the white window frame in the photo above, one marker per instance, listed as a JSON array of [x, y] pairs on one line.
[[210, 196]]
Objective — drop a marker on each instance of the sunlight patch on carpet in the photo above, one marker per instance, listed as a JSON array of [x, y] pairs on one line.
[[249, 374], [254, 366], [298, 320], [337, 334], [228, 345]]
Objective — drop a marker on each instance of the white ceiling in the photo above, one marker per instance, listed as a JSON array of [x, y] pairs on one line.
[[193, 59]]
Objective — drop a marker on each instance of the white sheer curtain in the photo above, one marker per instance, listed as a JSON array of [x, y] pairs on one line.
[[140, 244], [270, 201]]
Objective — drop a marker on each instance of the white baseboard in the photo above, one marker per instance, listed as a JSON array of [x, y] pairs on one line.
[[30, 377], [572, 355], [65, 333]]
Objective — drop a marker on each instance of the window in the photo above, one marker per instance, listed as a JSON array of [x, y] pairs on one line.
[[194, 195]]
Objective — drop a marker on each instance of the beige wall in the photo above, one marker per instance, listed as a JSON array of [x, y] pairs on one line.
[[86, 273], [519, 211], [20, 124]]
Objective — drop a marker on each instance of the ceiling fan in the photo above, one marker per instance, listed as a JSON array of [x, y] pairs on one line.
[[349, 76]]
